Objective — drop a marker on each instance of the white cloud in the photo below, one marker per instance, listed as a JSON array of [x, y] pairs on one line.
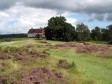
[[15, 20], [17, 16], [73, 21], [85, 6]]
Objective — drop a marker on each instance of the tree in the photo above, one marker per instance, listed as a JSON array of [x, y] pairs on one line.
[[105, 34], [59, 29], [83, 32], [69, 32], [38, 36], [110, 31], [96, 33]]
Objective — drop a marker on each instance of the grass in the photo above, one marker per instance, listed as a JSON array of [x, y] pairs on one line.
[[9, 67], [89, 68], [100, 42], [11, 39]]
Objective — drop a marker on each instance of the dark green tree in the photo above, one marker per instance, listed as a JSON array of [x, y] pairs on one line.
[[105, 34], [110, 31], [38, 36], [59, 29], [82, 32], [96, 34]]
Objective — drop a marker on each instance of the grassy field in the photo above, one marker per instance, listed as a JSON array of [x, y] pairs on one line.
[[88, 68]]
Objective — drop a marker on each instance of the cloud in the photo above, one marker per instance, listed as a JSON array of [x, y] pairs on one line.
[[85, 6], [98, 17], [15, 20], [17, 16], [91, 19], [71, 20], [109, 17], [79, 6], [80, 21], [6, 4]]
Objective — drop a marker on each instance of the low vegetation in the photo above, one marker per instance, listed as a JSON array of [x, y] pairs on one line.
[[55, 62]]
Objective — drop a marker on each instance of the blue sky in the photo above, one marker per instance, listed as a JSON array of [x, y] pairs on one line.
[[18, 16], [91, 24]]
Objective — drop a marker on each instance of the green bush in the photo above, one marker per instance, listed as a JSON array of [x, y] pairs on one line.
[[110, 42], [72, 65]]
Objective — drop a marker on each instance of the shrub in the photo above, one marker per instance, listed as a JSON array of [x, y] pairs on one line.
[[63, 64], [72, 65], [110, 42]]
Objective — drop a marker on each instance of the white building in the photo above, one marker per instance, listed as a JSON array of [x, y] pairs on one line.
[[34, 32]]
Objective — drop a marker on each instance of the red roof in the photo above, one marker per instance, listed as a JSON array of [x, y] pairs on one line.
[[36, 30]]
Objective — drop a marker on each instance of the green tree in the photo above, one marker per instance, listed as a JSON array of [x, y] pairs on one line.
[[96, 33], [110, 31], [59, 29], [105, 34], [38, 36], [83, 32]]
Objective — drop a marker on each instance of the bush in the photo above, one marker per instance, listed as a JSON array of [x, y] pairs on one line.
[[63, 64], [72, 65], [110, 42]]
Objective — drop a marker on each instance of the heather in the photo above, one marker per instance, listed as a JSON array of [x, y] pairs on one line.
[[55, 62]]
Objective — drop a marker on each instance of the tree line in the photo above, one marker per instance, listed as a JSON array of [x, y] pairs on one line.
[[59, 29], [22, 35]]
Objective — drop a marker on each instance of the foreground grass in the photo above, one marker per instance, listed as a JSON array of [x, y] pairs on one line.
[[10, 66], [89, 68]]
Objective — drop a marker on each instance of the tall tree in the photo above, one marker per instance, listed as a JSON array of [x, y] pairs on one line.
[[110, 31], [59, 29], [105, 34], [96, 33], [83, 32]]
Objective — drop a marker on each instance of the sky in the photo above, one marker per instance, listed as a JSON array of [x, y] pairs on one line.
[[18, 16]]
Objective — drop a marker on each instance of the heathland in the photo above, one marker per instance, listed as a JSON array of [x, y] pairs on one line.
[[34, 61]]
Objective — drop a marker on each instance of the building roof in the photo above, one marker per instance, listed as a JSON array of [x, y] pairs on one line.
[[36, 30]]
